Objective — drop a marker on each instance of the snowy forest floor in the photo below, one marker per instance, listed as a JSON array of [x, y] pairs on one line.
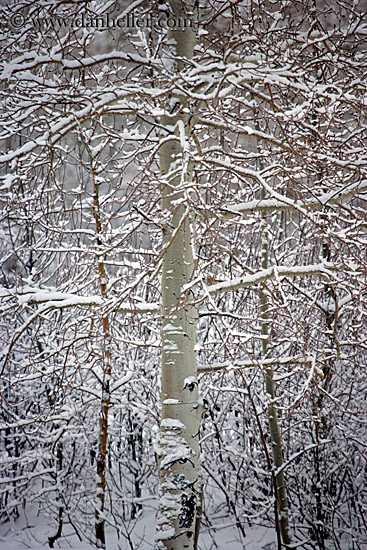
[[32, 533]]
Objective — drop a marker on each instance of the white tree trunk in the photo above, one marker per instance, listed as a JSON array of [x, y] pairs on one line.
[[178, 449]]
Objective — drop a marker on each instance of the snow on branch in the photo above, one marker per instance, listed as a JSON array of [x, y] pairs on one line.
[[244, 130], [270, 205], [296, 455], [51, 300], [204, 369], [55, 299], [322, 269], [61, 128], [32, 60]]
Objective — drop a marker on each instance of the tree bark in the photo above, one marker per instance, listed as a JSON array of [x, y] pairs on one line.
[[178, 449], [106, 396], [275, 435]]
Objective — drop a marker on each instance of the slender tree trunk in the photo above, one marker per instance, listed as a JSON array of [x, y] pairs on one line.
[[275, 435], [178, 449], [319, 487], [105, 399], [59, 460], [281, 516], [135, 447]]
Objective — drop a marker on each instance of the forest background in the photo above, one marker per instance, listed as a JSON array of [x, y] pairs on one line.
[[183, 274]]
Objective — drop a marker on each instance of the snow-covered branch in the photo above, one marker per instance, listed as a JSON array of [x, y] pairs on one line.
[[272, 205], [323, 270], [59, 300], [247, 364], [31, 60]]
